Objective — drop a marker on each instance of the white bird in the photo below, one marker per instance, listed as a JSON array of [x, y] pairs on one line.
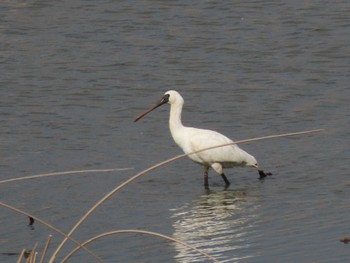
[[192, 139]]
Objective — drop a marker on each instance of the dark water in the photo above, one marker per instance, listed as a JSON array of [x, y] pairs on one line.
[[74, 74]]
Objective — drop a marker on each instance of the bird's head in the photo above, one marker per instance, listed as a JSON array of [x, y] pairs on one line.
[[170, 97], [173, 97]]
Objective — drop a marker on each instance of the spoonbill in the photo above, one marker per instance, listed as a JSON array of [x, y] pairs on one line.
[[191, 139]]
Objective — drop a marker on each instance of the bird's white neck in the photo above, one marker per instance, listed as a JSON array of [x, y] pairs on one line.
[[175, 123]]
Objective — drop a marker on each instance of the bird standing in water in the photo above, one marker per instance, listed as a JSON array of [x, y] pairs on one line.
[[192, 139]]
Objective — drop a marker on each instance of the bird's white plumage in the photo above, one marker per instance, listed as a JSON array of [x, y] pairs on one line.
[[192, 139]]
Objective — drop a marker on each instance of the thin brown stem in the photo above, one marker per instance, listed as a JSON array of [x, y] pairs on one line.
[[140, 232], [37, 176], [49, 226], [93, 208], [45, 249]]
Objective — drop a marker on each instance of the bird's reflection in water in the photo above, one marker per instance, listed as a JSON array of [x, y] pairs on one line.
[[220, 223]]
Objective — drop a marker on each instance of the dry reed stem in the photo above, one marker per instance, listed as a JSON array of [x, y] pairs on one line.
[[45, 249], [34, 257], [21, 256], [140, 232], [30, 258], [49, 226], [62, 173], [87, 214]]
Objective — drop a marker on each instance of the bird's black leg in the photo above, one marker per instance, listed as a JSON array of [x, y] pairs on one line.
[[263, 174], [227, 182], [206, 180]]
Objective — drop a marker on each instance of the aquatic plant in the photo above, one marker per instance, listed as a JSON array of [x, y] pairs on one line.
[[31, 256]]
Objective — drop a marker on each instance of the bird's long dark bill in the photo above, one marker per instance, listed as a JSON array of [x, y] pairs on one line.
[[163, 101]]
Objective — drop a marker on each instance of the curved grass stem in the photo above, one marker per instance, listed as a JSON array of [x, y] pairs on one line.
[[94, 207], [49, 226], [131, 231], [62, 173]]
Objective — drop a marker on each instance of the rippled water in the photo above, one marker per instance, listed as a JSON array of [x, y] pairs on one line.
[[214, 221], [74, 74]]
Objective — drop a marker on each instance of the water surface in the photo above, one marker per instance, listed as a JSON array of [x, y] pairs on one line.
[[74, 74]]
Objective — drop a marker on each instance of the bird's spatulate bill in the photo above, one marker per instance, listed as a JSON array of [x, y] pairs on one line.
[[151, 109]]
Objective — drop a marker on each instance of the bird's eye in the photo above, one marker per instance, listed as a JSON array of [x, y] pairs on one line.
[[166, 97]]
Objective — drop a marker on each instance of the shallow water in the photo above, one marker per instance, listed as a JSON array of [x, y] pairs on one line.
[[74, 75]]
